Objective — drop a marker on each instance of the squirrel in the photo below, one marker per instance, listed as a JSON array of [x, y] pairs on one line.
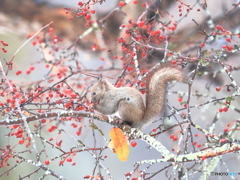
[[128, 101]]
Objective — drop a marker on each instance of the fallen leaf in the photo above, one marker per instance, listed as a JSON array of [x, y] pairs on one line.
[[119, 143]]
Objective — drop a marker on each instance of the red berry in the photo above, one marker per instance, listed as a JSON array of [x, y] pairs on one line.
[[18, 72], [222, 140], [46, 162], [154, 130], [142, 84], [229, 48], [79, 108], [135, 2], [50, 29], [88, 16], [180, 99], [23, 101], [133, 143], [174, 138], [4, 50], [34, 43], [15, 126], [228, 39], [202, 45], [144, 4], [129, 68], [78, 133], [69, 159], [93, 11], [50, 129], [218, 88], [59, 143], [218, 27], [144, 55], [80, 3], [155, 33], [4, 44], [28, 72], [172, 28], [225, 109], [121, 4], [174, 62], [199, 145], [21, 141], [140, 24], [224, 46], [60, 162], [226, 130], [122, 26]]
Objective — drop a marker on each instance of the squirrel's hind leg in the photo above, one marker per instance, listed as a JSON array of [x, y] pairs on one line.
[[131, 112]]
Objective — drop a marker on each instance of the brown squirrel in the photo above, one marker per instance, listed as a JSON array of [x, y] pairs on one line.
[[128, 102]]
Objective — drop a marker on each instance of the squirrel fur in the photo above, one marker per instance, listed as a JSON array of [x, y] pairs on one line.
[[128, 101]]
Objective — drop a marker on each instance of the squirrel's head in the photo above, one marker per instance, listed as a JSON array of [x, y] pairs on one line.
[[99, 90]]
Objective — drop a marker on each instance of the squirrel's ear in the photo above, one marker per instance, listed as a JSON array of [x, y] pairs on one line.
[[102, 83], [100, 79]]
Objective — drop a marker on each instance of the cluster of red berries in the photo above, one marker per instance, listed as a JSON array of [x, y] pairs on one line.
[[4, 44], [173, 137]]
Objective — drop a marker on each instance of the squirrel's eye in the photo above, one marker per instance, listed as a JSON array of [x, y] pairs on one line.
[[94, 93]]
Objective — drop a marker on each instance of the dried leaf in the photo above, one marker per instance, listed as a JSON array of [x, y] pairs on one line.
[[119, 143], [94, 126]]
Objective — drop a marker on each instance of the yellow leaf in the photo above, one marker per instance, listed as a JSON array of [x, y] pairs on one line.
[[119, 143]]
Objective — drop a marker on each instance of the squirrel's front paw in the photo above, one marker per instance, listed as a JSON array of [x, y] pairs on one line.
[[91, 107], [117, 121]]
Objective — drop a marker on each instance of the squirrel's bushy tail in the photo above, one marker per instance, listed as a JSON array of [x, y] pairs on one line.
[[156, 90]]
